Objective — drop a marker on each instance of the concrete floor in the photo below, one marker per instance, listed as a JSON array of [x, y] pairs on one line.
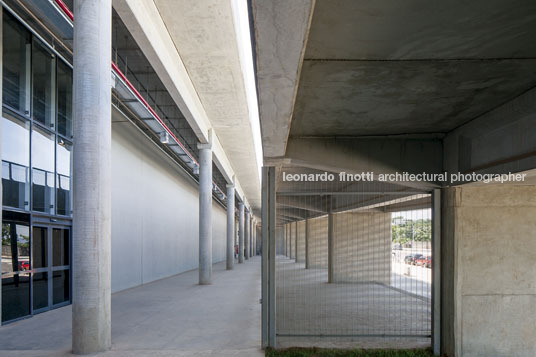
[[169, 317], [362, 312]]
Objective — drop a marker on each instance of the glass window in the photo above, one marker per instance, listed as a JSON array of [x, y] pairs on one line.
[[65, 99], [15, 265], [16, 65], [40, 290], [60, 247], [42, 171], [15, 295], [15, 247], [15, 162], [43, 80], [60, 286], [63, 177], [39, 248]]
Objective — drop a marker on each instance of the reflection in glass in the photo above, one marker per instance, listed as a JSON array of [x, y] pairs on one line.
[[43, 171], [60, 286], [15, 162], [40, 290], [16, 65], [60, 247], [15, 247], [39, 248], [43, 80], [63, 183], [65, 99], [15, 295]]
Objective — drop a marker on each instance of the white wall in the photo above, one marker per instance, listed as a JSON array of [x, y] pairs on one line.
[[155, 212]]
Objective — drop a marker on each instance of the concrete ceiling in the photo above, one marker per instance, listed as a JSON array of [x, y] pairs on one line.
[[204, 34], [391, 67], [378, 68]]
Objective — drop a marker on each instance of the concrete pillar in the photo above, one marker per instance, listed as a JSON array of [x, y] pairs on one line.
[[487, 270], [230, 225], [246, 236], [205, 213], [361, 247], [254, 238], [306, 244], [330, 246], [240, 232], [91, 324], [295, 242]]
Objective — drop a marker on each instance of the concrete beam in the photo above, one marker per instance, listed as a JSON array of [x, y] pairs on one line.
[[385, 155], [281, 32], [500, 141]]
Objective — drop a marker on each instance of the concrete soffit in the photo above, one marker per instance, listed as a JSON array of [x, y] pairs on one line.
[[281, 33], [144, 22]]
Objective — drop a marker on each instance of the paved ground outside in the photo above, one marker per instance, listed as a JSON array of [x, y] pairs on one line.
[[312, 312], [169, 317]]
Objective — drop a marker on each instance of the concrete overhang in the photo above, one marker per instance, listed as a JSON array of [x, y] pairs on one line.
[[335, 69], [194, 49]]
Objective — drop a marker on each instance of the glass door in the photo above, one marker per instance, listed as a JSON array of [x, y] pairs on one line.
[[51, 267]]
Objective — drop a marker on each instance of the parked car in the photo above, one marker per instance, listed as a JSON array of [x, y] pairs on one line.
[[420, 261], [410, 259], [24, 265], [397, 247]]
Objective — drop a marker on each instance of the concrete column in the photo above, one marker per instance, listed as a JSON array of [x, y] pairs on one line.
[[246, 236], [488, 290], [330, 247], [295, 242], [285, 240], [91, 324], [241, 233], [253, 238], [306, 244], [205, 213], [230, 225]]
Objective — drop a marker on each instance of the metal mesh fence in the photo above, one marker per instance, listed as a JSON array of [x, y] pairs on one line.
[[353, 264]]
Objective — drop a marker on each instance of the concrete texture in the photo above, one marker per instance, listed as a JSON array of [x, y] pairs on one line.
[[307, 305], [393, 97], [247, 235], [144, 21], [489, 287], [213, 62], [281, 32], [92, 177], [501, 141], [317, 249], [300, 242], [205, 214], [241, 227], [292, 240], [419, 29], [169, 317], [154, 232], [230, 247], [362, 247]]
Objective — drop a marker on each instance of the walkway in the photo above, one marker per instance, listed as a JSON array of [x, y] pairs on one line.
[[169, 317]]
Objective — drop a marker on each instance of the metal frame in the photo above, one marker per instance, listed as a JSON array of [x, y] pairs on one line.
[[436, 271], [268, 257], [36, 218]]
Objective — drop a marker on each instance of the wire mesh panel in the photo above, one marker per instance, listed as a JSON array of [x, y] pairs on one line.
[[354, 264]]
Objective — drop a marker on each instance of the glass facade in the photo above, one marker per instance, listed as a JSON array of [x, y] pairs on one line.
[[36, 174]]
